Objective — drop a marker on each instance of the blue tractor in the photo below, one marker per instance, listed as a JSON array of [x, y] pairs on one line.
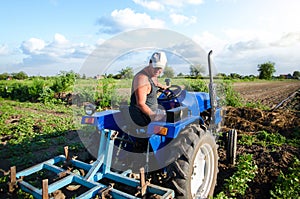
[[175, 157]]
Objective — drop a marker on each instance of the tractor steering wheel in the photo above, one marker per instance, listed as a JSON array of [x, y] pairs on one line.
[[171, 92]]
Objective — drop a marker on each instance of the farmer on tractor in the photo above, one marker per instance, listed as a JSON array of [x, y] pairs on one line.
[[143, 102]]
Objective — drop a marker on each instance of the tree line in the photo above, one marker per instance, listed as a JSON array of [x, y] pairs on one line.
[[265, 70]]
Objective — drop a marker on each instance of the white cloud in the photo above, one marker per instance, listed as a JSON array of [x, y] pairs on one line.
[[38, 53], [4, 50], [254, 44], [161, 5], [241, 51], [151, 5], [182, 19], [181, 3], [126, 19], [288, 39], [32, 46], [234, 34], [60, 39], [100, 41], [209, 41], [59, 47]]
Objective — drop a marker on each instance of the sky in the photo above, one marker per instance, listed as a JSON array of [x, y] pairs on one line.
[[44, 37]]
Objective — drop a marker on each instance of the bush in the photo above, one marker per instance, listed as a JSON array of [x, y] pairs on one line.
[[232, 98], [63, 82], [196, 85], [23, 91], [47, 96], [105, 91], [36, 89], [19, 92]]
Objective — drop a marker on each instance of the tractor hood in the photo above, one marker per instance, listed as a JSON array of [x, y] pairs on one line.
[[196, 102]]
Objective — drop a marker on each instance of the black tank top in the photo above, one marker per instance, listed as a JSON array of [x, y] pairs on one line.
[[136, 114]]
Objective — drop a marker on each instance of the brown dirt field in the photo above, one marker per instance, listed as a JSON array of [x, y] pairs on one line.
[[284, 120], [269, 93]]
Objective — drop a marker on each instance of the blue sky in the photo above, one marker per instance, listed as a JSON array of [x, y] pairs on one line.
[[43, 37]]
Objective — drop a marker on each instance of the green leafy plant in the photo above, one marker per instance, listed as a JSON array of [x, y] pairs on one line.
[[266, 138], [36, 89], [237, 185], [63, 81], [105, 91], [247, 140], [232, 98], [197, 85], [256, 105], [288, 185]]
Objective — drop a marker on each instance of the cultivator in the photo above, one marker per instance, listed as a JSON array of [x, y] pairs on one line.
[[66, 174]]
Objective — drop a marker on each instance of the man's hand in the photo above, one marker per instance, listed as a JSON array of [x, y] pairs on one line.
[[163, 87]]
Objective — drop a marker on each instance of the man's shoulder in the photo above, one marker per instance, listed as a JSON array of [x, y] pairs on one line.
[[141, 75]]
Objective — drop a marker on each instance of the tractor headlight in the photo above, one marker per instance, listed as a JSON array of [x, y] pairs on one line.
[[89, 109]]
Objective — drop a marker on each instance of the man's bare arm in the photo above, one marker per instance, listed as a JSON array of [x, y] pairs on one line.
[[142, 88]]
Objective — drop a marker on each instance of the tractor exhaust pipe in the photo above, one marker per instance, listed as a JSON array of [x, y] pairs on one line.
[[212, 93]]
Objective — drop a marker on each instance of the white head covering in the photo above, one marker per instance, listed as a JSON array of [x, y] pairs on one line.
[[159, 60]]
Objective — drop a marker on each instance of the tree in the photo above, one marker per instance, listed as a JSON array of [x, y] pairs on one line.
[[180, 74], [4, 76], [296, 75], [196, 70], [223, 75], [266, 70], [126, 73], [235, 76], [20, 75], [168, 72]]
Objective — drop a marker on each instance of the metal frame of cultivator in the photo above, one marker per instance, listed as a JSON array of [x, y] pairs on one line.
[[96, 171]]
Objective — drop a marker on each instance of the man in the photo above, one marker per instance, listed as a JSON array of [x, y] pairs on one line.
[[143, 102]]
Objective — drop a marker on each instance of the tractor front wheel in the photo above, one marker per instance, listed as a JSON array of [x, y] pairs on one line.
[[194, 173]]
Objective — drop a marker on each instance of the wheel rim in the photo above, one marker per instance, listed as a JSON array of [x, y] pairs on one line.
[[202, 175]]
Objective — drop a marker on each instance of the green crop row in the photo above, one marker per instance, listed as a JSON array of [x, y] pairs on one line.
[[288, 184], [237, 184], [28, 127]]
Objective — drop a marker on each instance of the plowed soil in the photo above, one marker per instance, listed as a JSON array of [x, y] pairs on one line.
[[283, 98]]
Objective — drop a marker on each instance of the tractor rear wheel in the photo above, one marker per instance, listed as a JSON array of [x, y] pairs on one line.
[[194, 173]]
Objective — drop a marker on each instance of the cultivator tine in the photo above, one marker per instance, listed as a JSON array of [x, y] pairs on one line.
[[66, 149], [45, 189], [13, 179], [105, 191], [143, 182]]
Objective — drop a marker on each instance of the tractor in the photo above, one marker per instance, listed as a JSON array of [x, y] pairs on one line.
[[173, 158]]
